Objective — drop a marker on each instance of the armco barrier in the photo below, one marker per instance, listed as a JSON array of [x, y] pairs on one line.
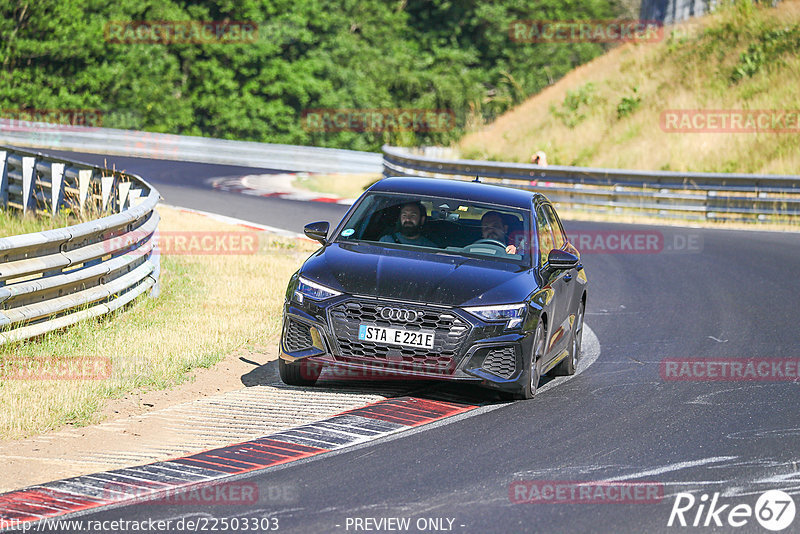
[[52, 279], [712, 196], [187, 148]]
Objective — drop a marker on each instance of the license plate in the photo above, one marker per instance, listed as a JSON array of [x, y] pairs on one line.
[[396, 336]]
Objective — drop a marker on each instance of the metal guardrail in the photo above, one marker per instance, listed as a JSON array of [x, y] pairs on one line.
[[712, 196], [187, 148], [55, 278]]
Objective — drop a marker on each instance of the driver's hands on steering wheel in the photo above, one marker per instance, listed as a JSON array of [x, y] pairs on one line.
[[510, 249]]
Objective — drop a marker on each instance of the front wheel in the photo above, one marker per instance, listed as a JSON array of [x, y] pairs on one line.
[[568, 365], [302, 373], [533, 373]]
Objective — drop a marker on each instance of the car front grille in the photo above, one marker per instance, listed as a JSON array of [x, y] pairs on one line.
[[298, 336], [501, 362], [450, 331]]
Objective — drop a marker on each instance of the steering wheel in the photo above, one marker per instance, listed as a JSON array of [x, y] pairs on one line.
[[493, 242]]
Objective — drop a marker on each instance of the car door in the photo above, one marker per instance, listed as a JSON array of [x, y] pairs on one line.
[[557, 333], [571, 293]]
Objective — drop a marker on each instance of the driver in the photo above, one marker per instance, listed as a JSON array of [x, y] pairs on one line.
[[412, 218], [493, 227]]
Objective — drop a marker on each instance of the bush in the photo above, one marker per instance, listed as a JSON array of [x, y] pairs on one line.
[[573, 109], [353, 54], [771, 45], [629, 104]]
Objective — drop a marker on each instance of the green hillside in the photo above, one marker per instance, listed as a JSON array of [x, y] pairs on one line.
[[742, 61]]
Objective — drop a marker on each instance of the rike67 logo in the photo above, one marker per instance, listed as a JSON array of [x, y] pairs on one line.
[[774, 510]]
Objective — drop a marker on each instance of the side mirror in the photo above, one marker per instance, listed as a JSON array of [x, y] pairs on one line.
[[318, 231], [559, 259]]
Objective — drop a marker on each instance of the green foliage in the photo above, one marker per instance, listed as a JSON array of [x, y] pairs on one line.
[[771, 45], [309, 54], [573, 108], [629, 104], [749, 63]]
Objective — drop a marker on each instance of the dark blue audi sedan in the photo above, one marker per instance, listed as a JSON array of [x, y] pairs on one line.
[[438, 279]]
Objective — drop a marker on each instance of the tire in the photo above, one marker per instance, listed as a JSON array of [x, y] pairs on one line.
[[302, 373], [533, 373], [568, 365]]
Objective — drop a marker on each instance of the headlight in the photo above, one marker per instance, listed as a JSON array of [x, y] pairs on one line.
[[513, 313], [312, 290]]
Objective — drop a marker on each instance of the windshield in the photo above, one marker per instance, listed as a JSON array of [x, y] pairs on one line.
[[435, 225]]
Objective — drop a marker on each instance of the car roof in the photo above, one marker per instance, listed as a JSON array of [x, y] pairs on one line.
[[457, 189]]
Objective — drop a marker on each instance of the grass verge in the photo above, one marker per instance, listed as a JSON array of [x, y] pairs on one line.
[[209, 306], [13, 223]]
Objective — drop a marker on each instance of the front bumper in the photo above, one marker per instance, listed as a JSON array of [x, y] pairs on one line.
[[465, 349]]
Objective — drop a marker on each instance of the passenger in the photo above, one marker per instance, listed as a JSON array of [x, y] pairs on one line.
[[493, 227], [412, 219]]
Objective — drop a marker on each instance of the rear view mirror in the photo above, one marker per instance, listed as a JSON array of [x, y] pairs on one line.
[[318, 231], [560, 259]]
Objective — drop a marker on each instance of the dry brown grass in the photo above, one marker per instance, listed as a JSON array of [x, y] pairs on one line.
[[209, 305]]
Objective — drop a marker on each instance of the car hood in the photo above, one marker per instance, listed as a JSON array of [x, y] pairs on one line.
[[401, 274]]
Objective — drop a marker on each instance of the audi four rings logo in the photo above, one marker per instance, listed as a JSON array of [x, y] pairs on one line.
[[399, 314]]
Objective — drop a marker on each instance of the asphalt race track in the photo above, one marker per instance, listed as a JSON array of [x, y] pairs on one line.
[[701, 294], [189, 185]]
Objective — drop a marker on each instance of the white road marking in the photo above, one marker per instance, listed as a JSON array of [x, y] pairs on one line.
[[669, 467]]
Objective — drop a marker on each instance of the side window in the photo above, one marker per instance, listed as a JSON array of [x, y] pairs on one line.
[[555, 223], [544, 233]]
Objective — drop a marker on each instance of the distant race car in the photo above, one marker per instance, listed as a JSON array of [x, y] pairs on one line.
[[438, 279]]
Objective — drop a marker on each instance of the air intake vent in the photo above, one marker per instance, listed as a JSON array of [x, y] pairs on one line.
[[501, 362], [298, 336]]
